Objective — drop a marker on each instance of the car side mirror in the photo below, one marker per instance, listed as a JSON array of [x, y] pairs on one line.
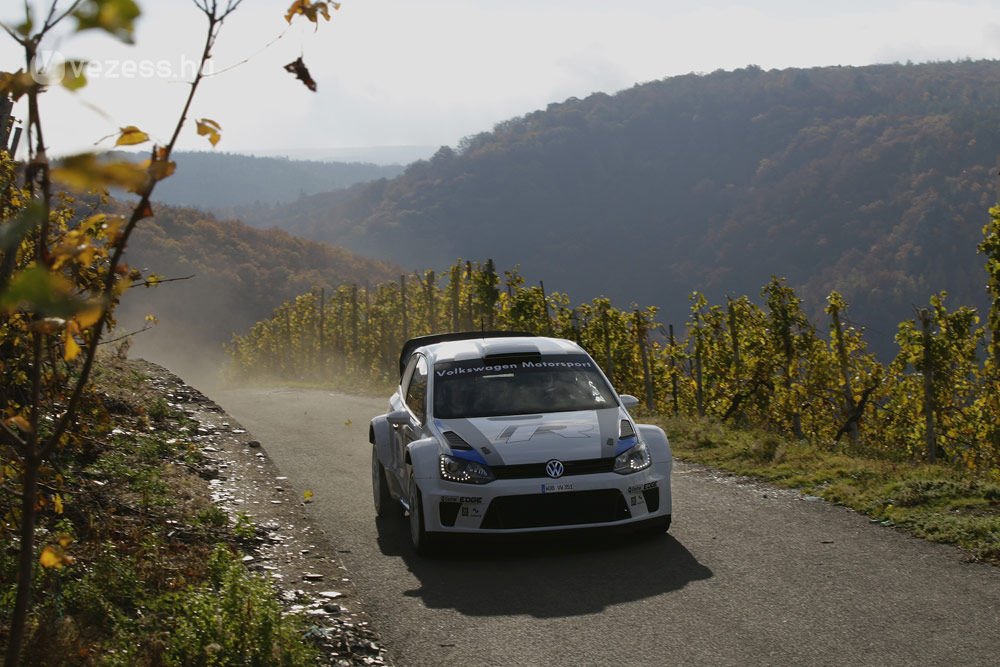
[[399, 417], [629, 401]]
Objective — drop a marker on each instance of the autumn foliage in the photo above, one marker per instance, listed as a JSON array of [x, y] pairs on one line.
[[763, 366]]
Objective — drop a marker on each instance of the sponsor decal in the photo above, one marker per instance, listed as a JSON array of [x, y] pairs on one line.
[[500, 368], [642, 487], [557, 488], [462, 499], [525, 432]]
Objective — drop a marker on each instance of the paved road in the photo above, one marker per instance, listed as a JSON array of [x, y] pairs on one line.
[[747, 576]]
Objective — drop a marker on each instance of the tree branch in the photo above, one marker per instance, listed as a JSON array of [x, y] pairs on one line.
[[142, 210]]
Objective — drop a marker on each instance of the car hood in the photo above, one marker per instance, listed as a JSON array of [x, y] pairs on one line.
[[567, 436]]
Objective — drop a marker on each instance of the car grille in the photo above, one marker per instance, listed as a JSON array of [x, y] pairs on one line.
[[537, 470], [448, 513], [543, 510], [652, 498]]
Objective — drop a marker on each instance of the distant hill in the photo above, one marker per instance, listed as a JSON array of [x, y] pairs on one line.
[[871, 180], [240, 275], [217, 180]]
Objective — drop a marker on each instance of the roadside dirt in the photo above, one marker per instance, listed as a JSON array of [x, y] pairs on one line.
[[278, 536]]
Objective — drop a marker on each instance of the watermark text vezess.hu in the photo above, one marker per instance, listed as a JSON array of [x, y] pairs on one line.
[[50, 68]]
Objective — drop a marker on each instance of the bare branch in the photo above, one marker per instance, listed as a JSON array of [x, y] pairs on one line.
[[141, 210], [148, 283], [10, 437], [10, 31], [144, 329], [69, 10], [244, 61]]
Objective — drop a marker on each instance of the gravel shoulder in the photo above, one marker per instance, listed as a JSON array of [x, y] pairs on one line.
[[282, 539]]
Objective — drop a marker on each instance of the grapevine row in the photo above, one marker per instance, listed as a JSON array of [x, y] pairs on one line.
[[765, 367]]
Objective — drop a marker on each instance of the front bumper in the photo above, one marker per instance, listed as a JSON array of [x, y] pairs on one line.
[[532, 505]]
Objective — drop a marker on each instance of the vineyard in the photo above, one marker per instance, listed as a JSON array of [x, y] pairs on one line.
[[764, 367]]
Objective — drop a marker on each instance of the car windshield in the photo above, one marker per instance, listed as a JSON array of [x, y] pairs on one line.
[[519, 386]]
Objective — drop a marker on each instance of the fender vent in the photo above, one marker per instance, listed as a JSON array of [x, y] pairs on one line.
[[455, 441]]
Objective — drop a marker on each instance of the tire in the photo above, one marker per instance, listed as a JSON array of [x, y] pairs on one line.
[[380, 487], [424, 543], [660, 525]]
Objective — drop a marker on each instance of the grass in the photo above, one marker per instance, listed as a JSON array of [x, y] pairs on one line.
[[154, 574], [940, 503]]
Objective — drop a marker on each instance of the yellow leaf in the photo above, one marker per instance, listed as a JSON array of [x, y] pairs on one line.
[[89, 318], [47, 294], [207, 126], [307, 496], [310, 10], [159, 169], [130, 136], [116, 17], [71, 350], [74, 75], [21, 423], [93, 222], [51, 558], [16, 84], [57, 505], [85, 172]]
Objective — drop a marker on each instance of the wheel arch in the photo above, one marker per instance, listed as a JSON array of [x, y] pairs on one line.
[[422, 456], [380, 435]]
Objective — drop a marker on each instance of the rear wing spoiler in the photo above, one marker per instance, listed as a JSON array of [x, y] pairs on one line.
[[412, 344]]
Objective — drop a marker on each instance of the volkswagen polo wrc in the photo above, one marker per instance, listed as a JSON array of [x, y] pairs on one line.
[[499, 433]]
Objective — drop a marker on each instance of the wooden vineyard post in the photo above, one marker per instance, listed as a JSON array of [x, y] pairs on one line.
[[609, 360], [322, 330], [699, 387], [431, 310], [735, 341], [930, 435], [545, 309], [402, 298], [455, 287], [641, 339], [845, 373], [289, 352], [673, 374], [469, 323], [354, 325], [490, 294]]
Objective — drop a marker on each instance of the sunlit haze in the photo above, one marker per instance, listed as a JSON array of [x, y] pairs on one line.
[[420, 74]]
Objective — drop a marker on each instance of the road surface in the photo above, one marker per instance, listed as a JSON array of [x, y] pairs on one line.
[[748, 575]]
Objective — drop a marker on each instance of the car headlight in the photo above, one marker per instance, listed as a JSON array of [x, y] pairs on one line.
[[455, 469], [633, 460]]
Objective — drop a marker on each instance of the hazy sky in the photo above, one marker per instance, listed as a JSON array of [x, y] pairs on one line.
[[428, 72]]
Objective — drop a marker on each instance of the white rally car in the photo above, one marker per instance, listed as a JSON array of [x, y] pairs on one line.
[[498, 433]]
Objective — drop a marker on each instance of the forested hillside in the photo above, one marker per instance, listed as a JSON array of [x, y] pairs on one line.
[[253, 185], [240, 275], [873, 181]]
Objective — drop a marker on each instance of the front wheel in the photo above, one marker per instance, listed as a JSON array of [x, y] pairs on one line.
[[422, 541], [659, 525], [380, 486]]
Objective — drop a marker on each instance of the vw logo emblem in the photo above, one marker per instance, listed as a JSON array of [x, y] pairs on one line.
[[554, 469]]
